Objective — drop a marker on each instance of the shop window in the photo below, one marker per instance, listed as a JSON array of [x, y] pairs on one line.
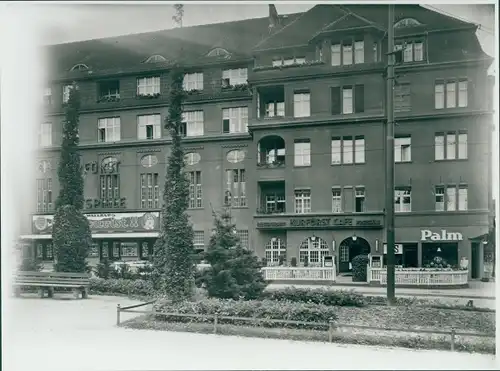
[[440, 254], [275, 248], [129, 249], [312, 250]]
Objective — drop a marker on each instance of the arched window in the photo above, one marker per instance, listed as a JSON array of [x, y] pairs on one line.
[[192, 158], [79, 67], [407, 22], [218, 52], [312, 250], [156, 59], [274, 249], [271, 151]]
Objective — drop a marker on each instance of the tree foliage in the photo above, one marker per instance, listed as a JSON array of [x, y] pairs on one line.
[[71, 232], [235, 272], [173, 258]]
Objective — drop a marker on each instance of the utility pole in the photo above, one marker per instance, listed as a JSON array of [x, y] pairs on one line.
[[389, 151]]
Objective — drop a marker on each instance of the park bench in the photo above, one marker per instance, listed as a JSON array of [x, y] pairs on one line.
[[47, 281]]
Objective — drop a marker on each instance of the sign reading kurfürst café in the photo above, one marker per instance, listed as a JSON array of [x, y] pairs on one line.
[[321, 222], [106, 222]]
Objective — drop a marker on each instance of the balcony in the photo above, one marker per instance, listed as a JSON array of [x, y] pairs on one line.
[[272, 198], [271, 157], [109, 91], [271, 103]]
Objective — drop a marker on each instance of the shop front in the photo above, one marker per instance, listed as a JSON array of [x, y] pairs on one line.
[[305, 241], [115, 236], [435, 248]]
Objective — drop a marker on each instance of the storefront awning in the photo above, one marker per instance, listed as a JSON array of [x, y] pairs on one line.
[[98, 235]]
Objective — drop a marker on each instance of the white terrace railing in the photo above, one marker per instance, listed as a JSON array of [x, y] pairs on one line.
[[299, 273], [417, 277]]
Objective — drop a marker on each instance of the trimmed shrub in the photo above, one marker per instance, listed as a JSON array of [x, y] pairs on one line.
[[317, 296], [293, 262], [30, 264], [104, 269], [259, 309], [359, 264], [121, 287]]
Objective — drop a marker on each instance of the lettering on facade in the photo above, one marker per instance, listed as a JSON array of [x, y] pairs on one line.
[[368, 222], [427, 235], [95, 203], [311, 222], [321, 223], [271, 224], [91, 167]]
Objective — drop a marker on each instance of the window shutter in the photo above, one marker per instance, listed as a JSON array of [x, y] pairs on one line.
[[359, 98], [336, 106], [225, 125]]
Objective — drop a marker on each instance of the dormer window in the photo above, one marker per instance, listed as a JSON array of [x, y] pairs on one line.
[[79, 67], [347, 52], [407, 22], [218, 52], [413, 50], [156, 59], [237, 76]]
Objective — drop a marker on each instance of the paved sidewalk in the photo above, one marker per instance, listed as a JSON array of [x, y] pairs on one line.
[[477, 290]]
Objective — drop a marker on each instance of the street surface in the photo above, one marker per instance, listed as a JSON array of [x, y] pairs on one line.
[[68, 334]]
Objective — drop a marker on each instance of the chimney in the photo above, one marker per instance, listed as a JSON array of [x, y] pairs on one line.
[[274, 19]]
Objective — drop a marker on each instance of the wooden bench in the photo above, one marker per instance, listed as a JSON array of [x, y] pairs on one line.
[[47, 281]]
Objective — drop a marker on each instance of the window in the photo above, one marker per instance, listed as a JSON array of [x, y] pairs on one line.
[[347, 54], [275, 203], [148, 85], [149, 127], [462, 197], [235, 156], [110, 189], [275, 109], [462, 93], [451, 198], [275, 249], [149, 161], [235, 120], [360, 200], [402, 97], [66, 90], [47, 96], [451, 94], [312, 250], [302, 104], [302, 201], [195, 192], [439, 194], [375, 52], [413, 51], [336, 200], [348, 150], [347, 106], [302, 153], [150, 191], [243, 235], [336, 58], [44, 195], [238, 76], [343, 53], [192, 158], [146, 251], [199, 240], [451, 150], [109, 90], [462, 145], [129, 249], [235, 194], [109, 129], [402, 200], [348, 99], [193, 124], [359, 52], [289, 61], [155, 59], [79, 67], [44, 251], [402, 149], [45, 135], [193, 81]]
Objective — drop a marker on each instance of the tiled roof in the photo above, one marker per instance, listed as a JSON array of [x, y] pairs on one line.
[[326, 18], [186, 44]]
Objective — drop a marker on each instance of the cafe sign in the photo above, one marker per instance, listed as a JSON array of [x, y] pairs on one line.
[[106, 222], [321, 222], [443, 235]]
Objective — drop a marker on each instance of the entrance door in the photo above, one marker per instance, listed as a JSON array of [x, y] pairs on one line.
[[344, 258], [474, 264]]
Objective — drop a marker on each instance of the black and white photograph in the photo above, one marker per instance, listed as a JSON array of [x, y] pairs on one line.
[[249, 185]]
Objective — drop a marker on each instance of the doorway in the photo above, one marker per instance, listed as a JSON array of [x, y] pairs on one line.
[[474, 260], [349, 249]]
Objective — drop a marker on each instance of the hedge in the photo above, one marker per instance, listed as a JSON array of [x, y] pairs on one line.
[[261, 309], [317, 296], [120, 286]]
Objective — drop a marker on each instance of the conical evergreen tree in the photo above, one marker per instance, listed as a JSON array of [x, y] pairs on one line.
[[235, 272], [71, 232], [173, 258]]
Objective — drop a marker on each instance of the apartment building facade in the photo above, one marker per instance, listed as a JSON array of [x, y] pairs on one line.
[[284, 124]]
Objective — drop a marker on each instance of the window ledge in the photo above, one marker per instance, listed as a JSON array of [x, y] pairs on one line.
[[196, 208], [452, 160], [301, 166], [404, 162], [350, 164]]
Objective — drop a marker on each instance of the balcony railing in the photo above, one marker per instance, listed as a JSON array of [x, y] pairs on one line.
[[271, 165], [264, 211]]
